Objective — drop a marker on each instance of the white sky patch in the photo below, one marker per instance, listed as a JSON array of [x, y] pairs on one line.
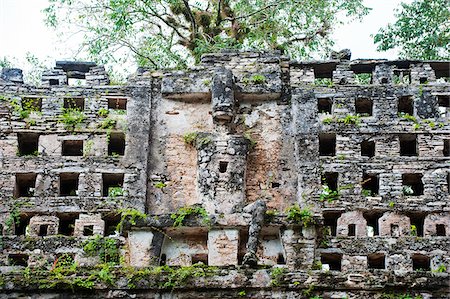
[[22, 30]]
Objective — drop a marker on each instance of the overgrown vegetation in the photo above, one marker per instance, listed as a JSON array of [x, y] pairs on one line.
[[196, 139], [107, 249], [300, 216], [131, 215], [182, 213], [277, 275], [72, 118], [325, 82], [364, 78], [327, 194]]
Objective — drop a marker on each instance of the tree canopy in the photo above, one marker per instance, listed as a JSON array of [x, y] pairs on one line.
[[174, 33], [421, 31]]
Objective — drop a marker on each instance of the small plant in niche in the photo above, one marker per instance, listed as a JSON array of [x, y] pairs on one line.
[[189, 138], [277, 275], [325, 82], [72, 118], [407, 190], [366, 192], [350, 119], [160, 185], [103, 112], [327, 194], [258, 79], [364, 78], [300, 216], [115, 191], [180, 215], [413, 230]]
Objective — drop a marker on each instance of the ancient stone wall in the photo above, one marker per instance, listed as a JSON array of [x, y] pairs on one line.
[[248, 175]]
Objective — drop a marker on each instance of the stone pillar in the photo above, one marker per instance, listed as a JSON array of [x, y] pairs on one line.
[[382, 74], [140, 245], [54, 77], [43, 226], [222, 98], [223, 245]]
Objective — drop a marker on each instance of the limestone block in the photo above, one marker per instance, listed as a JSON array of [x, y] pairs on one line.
[[437, 224], [398, 262], [353, 263], [43, 226], [88, 225], [223, 247], [393, 224], [50, 145], [140, 244], [355, 218]]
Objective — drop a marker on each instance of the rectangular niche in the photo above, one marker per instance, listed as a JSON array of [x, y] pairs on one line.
[[324, 105], [112, 184], [408, 145], [28, 144], [72, 148], [376, 261], [74, 103], [117, 103], [412, 184], [116, 144], [33, 104], [68, 184], [25, 184], [327, 144], [406, 105], [364, 106]]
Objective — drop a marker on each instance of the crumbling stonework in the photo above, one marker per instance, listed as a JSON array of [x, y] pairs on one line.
[[248, 175]]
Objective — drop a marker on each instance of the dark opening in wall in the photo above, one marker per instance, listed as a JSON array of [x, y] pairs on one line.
[[406, 105], [74, 103], [1, 229], [21, 226], [68, 184], [199, 258], [330, 220], [395, 230], [117, 103], [28, 144], [327, 144], [163, 259], [352, 230], [376, 261], [408, 144], [384, 80], [243, 239], [324, 105], [444, 101], [18, 260], [372, 221], [67, 224], [43, 230], [25, 184], [421, 262], [402, 76], [412, 184], [332, 259], [417, 220], [423, 80], [446, 150], [440, 230], [88, 230], [72, 148], [368, 148], [275, 185], [53, 82], [280, 259], [33, 104], [448, 182], [331, 180], [116, 145], [112, 184], [364, 107], [370, 184], [111, 225], [223, 165]]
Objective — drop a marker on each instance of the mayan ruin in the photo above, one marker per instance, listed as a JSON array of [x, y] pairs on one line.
[[249, 175]]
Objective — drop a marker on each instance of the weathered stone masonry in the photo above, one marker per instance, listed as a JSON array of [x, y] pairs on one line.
[[362, 146]]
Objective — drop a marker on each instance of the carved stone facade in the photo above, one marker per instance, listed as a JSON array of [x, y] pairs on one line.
[[249, 175]]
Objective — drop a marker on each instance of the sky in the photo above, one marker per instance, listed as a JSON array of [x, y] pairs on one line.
[[22, 30]]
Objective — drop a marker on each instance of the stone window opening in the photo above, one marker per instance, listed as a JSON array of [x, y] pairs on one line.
[[448, 183], [223, 165], [88, 230], [370, 184], [372, 223], [67, 224], [423, 80], [402, 76], [25, 185], [443, 104], [21, 226], [333, 260], [111, 225], [53, 82], [199, 258], [33, 104], [368, 148], [68, 184], [327, 144], [364, 107], [331, 180], [117, 103], [280, 259], [43, 230], [376, 261], [417, 221], [384, 80], [112, 184], [395, 230], [163, 259], [330, 219], [74, 103], [116, 144], [275, 185], [440, 230], [446, 151], [325, 105], [243, 239], [28, 144], [420, 262], [352, 230], [412, 184], [408, 145], [1, 229], [72, 148], [18, 260], [406, 105]]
